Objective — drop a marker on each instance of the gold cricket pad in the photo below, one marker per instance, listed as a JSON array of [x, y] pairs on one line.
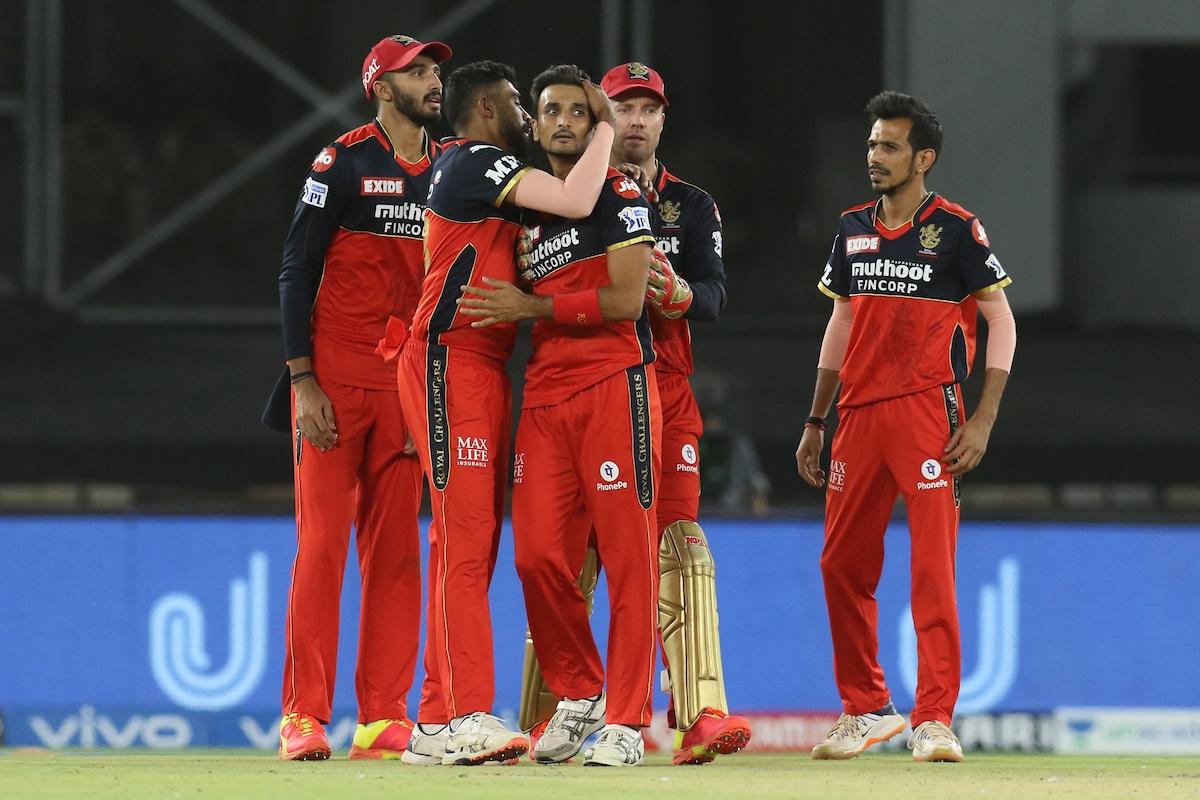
[[537, 701], [687, 618]]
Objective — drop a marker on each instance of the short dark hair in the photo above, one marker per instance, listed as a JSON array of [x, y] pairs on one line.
[[465, 84], [568, 74], [926, 131]]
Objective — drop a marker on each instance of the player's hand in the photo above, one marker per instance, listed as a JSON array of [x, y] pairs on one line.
[[598, 102], [314, 415], [503, 302], [808, 457], [667, 292], [645, 180], [966, 447], [410, 447]]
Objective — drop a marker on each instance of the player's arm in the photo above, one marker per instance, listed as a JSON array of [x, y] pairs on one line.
[[575, 197], [966, 447], [621, 299], [829, 365], [704, 264], [314, 222]]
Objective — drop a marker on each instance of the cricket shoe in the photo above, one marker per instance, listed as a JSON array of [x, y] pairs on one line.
[[854, 733], [618, 746], [573, 722], [384, 738], [934, 741], [426, 745], [481, 737], [713, 733], [301, 738]]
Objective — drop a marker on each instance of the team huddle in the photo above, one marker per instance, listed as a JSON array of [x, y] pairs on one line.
[[407, 269]]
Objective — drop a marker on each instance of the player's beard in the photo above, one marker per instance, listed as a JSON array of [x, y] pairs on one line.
[[893, 189], [516, 135], [414, 109]]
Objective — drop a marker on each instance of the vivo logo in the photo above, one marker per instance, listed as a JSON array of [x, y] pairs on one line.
[[178, 657], [996, 667], [89, 729]]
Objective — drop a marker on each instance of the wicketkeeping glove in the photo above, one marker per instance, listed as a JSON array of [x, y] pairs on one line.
[[666, 291], [524, 246]]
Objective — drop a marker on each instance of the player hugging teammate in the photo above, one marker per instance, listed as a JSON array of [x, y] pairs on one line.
[[592, 490]]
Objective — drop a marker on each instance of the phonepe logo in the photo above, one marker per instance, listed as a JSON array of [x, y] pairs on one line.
[[610, 475]]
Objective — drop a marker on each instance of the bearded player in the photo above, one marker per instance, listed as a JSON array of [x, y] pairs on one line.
[[356, 235], [455, 390]]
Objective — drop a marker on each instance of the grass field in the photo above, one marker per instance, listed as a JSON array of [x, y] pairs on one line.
[[252, 774]]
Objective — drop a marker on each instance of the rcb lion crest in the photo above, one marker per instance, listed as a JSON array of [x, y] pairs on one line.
[[931, 236], [669, 211], [400, 38], [638, 71]]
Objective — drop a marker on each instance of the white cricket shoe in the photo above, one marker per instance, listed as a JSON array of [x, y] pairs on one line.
[[425, 748], [479, 738], [572, 723], [933, 741], [618, 746], [854, 733]]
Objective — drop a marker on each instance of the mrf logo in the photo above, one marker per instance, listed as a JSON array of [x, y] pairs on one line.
[[472, 451], [501, 168]]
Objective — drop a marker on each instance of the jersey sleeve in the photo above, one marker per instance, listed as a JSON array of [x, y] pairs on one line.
[[623, 214], [978, 266], [488, 174], [324, 197], [702, 265], [835, 280]]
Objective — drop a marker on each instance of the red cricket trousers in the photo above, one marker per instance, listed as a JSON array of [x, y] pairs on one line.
[[460, 406], [679, 489], [368, 481], [880, 450], [597, 451]]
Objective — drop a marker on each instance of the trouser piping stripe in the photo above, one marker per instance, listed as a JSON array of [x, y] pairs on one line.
[[641, 434], [950, 396]]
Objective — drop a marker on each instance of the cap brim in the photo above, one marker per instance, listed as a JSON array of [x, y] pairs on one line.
[[438, 51], [630, 87]]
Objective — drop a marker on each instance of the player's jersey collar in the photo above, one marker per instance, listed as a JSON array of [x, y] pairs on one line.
[[426, 146], [923, 210]]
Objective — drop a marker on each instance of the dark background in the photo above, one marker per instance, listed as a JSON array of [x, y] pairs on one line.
[[143, 392]]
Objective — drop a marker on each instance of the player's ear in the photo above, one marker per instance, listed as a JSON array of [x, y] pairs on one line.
[[925, 159], [484, 106]]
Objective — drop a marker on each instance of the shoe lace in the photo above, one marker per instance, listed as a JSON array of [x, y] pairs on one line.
[[848, 726], [934, 732], [303, 721]]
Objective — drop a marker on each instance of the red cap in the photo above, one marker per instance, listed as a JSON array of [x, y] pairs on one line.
[[631, 77], [397, 52]]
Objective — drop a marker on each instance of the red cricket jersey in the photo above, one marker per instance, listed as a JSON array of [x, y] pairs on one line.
[[914, 317], [571, 256], [470, 234], [355, 234]]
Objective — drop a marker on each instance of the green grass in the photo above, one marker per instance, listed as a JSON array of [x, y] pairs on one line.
[[252, 774]]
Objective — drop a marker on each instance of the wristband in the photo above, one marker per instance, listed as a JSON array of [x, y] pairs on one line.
[[816, 422], [299, 376], [578, 308]]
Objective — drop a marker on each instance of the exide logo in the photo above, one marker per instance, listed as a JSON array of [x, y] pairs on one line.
[[862, 244], [383, 186]]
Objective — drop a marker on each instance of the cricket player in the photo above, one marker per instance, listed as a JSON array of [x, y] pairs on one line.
[[909, 274], [587, 439], [455, 391], [356, 235]]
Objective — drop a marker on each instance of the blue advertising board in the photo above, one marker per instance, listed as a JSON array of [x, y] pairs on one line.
[[168, 631]]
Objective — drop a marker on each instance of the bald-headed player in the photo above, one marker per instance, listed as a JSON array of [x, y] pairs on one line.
[[688, 286], [455, 390], [356, 236]]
